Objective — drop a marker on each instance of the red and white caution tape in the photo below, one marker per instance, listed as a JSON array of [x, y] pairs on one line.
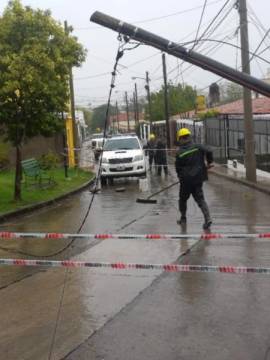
[[204, 236], [131, 266]]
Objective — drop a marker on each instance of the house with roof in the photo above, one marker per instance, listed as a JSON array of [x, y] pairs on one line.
[[224, 130], [121, 122]]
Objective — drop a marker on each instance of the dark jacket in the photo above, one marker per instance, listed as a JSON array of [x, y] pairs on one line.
[[160, 156], [150, 148], [190, 162]]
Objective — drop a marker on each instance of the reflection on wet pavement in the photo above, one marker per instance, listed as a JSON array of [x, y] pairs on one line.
[[29, 306]]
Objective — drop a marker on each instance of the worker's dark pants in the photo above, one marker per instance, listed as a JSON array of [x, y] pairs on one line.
[[161, 161], [151, 158], [187, 189], [162, 164], [159, 169]]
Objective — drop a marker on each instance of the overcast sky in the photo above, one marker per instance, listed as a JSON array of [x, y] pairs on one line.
[[175, 20]]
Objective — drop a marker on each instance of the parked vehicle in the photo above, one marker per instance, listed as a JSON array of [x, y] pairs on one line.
[[97, 141], [123, 156]]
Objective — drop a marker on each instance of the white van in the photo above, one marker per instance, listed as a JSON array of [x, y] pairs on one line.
[[96, 144]]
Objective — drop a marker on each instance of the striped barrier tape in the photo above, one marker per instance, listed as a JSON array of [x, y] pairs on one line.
[[204, 236], [132, 266]]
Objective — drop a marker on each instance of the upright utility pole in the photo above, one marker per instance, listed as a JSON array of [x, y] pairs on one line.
[[166, 105], [127, 110], [147, 88], [113, 120], [72, 101], [134, 108], [137, 106], [250, 159], [117, 115]]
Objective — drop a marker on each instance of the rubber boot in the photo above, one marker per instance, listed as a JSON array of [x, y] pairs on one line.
[[183, 220], [207, 217]]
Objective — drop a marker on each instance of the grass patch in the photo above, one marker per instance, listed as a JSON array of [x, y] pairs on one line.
[[33, 194]]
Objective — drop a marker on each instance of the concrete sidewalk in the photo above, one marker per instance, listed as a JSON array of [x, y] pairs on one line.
[[238, 175]]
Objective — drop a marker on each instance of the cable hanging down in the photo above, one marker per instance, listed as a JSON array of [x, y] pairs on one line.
[[119, 55]]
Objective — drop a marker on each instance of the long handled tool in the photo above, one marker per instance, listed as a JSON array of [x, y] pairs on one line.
[[149, 199]]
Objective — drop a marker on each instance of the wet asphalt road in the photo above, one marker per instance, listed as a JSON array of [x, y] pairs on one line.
[[109, 314]]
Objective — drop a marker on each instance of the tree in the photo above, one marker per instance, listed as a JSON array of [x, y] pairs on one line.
[[230, 92], [36, 56], [99, 116], [181, 99]]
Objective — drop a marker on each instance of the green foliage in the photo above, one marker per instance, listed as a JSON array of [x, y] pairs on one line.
[[230, 92], [36, 56], [34, 65], [99, 116], [208, 114], [49, 161], [181, 99], [4, 155]]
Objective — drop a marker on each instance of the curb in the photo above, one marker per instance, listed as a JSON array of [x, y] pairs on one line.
[[255, 186], [30, 208]]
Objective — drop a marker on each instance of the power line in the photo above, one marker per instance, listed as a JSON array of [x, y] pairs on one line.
[[207, 48], [199, 26], [93, 76], [211, 31], [235, 46], [267, 48], [214, 19], [176, 13], [214, 48], [157, 18], [256, 18], [260, 30], [142, 60], [155, 54], [208, 27], [120, 53], [254, 54]]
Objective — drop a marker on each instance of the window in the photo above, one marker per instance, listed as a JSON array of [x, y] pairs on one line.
[[122, 144]]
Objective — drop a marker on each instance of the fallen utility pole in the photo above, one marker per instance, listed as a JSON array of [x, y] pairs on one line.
[[179, 51]]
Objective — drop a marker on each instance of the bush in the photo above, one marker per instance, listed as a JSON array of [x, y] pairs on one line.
[[49, 161], [209, 114]]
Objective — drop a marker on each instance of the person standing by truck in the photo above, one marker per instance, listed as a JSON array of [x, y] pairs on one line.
[[151, 150], [161, 157]]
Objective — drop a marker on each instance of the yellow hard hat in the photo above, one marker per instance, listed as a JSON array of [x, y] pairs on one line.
[[152, 136], [183, 132]]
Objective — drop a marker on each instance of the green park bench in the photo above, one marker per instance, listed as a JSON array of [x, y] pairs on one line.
[[32, 171]]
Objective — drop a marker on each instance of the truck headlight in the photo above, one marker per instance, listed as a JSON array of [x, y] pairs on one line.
[[138, 158], [105, 161]]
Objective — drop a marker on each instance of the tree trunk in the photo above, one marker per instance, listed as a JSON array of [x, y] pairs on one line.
[[18, 174]]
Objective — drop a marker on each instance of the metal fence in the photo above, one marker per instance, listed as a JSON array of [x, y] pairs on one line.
[[225, 135]]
